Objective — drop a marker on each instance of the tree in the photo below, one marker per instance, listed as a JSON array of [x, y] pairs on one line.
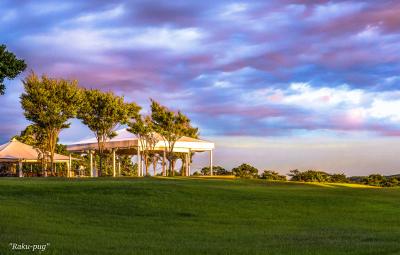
[[272, 175], [316, 176], [217, 170], [102, 113], [50, 103], [245, 171], [143, 128], [338, 178], [10, 66], [171, 126]]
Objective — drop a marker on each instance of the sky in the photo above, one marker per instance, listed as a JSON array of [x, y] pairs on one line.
[[278, 84]]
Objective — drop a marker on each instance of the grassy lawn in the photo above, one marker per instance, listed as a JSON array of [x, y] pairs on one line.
[[197, 216]]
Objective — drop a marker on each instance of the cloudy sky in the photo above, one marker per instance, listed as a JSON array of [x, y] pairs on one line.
[[279, 84]]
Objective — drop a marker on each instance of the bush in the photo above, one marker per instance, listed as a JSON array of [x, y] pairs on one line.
[[217, 170], [316, 176], [272, 175], [245, 171], [338, 178], [196, 173]]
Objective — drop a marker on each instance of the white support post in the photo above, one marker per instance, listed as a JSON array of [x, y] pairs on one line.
[[211, 163], [187, 164], [114, 170], [20, 174], [163, 164], [70, 165], [139, 161], [91, 163]]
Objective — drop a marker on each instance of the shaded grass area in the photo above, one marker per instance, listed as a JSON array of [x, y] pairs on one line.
[[197, 216]]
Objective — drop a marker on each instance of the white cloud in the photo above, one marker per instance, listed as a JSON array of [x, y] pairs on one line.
[[92, 17], [356, 104], [332, 10], [303, 93], [382, 109], [233, 10], [88, 41]]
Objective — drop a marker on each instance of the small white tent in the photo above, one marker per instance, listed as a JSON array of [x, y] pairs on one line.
[[17, 152]]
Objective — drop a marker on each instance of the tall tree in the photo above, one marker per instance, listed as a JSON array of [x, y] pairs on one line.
[[102, 113], [143, 128], [50, 103], [10, 66], [171, 126]]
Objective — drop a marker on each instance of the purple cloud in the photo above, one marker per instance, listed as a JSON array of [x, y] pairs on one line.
[[229, 65]]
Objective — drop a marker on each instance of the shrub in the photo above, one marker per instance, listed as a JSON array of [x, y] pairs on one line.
[[272, 175], [316, 176], [245, 171], [217, 170], [338, 178], [196, 173]]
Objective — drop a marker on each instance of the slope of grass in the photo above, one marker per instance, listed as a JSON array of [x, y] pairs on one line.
[[197, 216]]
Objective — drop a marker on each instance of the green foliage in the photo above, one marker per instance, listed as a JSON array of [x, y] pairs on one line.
[[316, 176], [272, 175], [143, 128], [49, 103], [10, 66], [217, 170], [338, 178], [377, 180], [171, 126], [245, 171], [102, 112], [197, 173]]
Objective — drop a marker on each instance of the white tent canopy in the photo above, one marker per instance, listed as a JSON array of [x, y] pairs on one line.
[[126, 142], [17, 152]]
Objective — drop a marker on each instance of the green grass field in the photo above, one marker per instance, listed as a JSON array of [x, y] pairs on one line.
[[196, 216]]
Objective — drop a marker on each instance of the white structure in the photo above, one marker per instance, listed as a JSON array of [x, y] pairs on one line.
[[19, 153], [127, 143]]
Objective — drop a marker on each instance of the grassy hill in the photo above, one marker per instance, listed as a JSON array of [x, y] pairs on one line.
[[197, 216]]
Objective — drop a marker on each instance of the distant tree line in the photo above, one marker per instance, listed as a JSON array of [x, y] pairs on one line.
[[251, 172]]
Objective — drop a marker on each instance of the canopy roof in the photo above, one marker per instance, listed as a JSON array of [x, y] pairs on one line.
[[14, 151], [125, 140]]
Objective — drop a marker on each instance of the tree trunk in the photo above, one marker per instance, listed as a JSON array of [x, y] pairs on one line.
[[101, 164], [173, 167], [154, 165]]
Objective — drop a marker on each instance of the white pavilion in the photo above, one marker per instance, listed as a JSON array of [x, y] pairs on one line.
[[127, 143]]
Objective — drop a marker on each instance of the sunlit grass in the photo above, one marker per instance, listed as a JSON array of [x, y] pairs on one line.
[[197, 216]]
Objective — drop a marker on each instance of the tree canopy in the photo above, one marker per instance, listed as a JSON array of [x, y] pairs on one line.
[[10, 66], [49, 103], [143, 128], [217, 170], [102, 112], [245, 171], [171, 126], [272, 175]]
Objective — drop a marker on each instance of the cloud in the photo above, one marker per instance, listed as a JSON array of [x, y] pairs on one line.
[[259, 68]]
